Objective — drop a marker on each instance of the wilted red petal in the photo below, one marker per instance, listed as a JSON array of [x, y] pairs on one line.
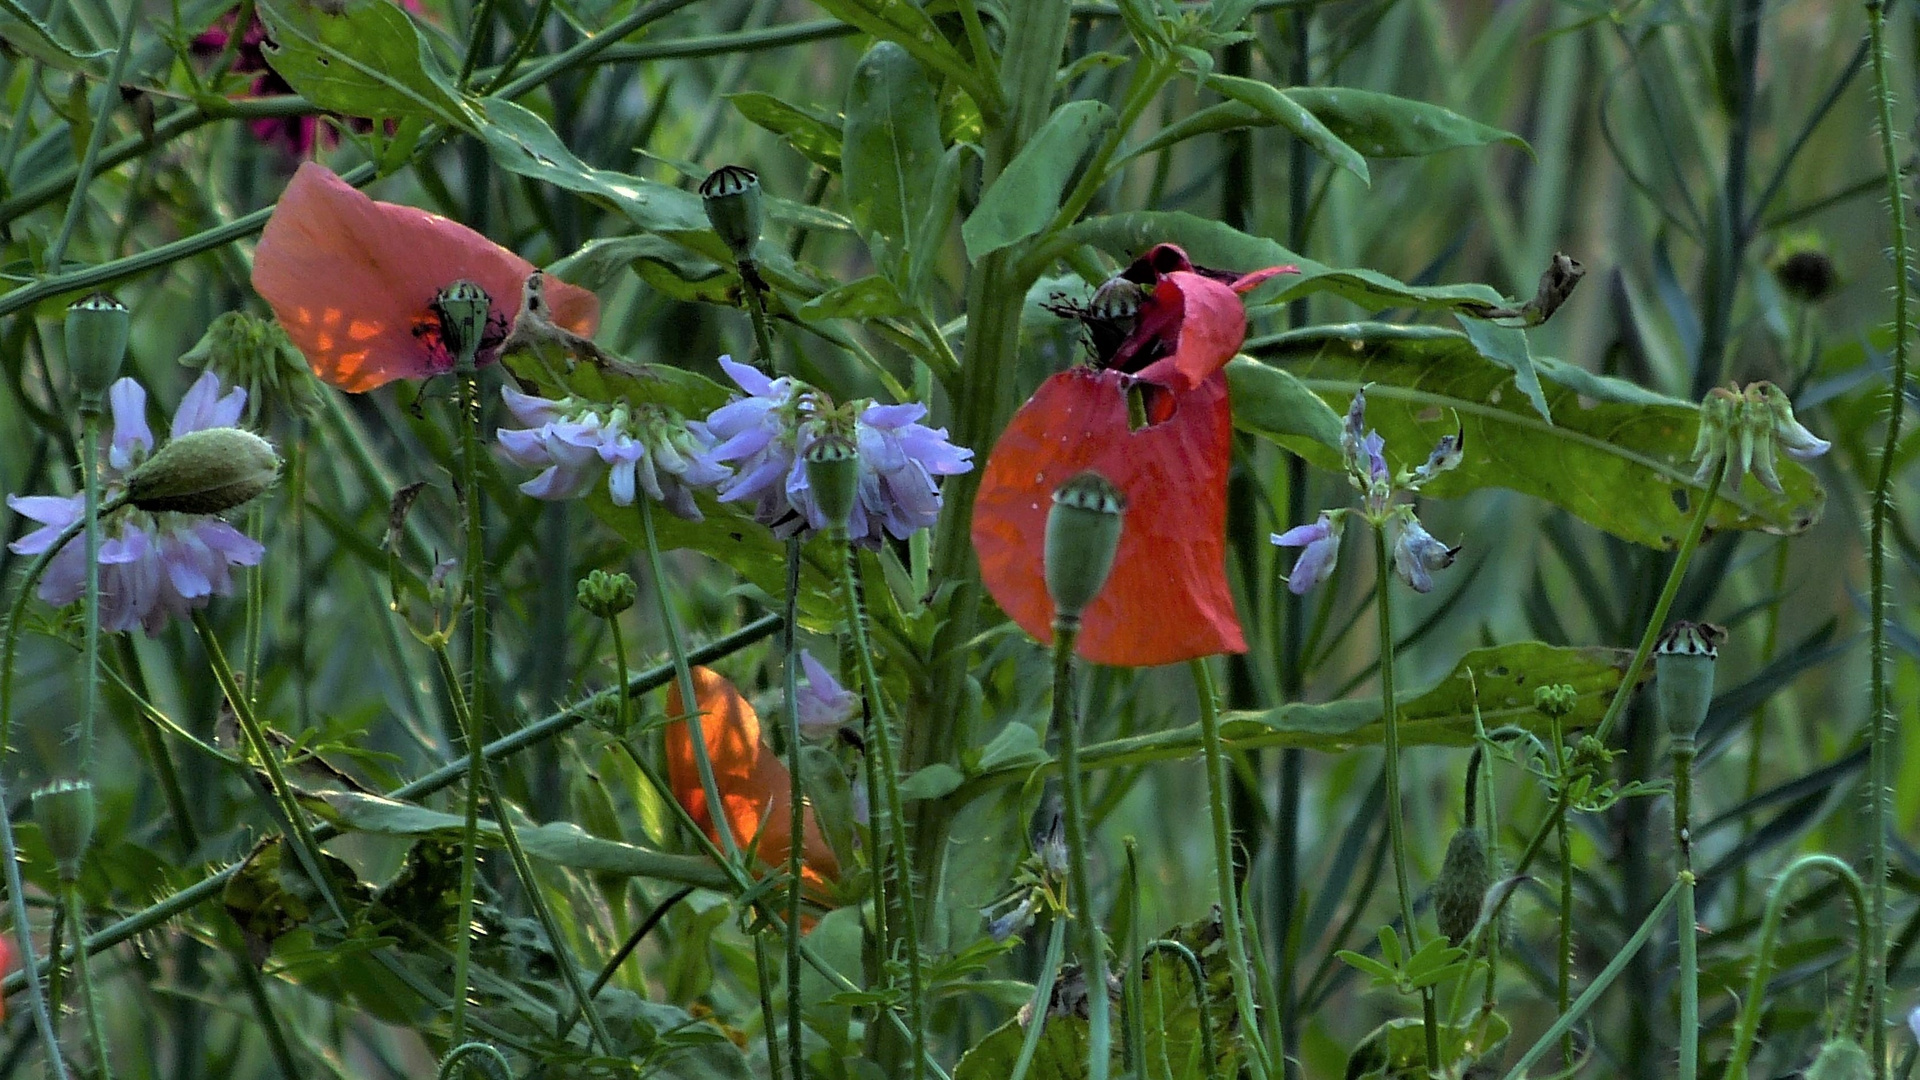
[[1209, 323], [1167, 599], [352, 281], [753, 782], [1246, 283]]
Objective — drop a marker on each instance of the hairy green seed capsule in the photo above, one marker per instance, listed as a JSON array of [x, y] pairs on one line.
[[1083, 533], [97, 328], [731, 196], [1465, 876], [1841, 1059], [605, 595], [64, 811], [463, 308], [1683, 664], [209, 471], [833, 475]]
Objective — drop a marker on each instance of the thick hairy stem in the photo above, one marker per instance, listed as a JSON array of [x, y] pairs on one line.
[[796, 820], [83, 974], [1092, 946], [90, 664], [1689, 937]]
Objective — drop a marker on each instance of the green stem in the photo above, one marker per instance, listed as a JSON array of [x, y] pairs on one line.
[[90, 665], [683, 676], [1882, 733], [889, 816], [763, 970], [23, 940], [1042, 994], [1565, 950], [1092, 944], [459, 1055], [1689, 936], [1396, 820], [1210, 1058], [757, 312], [1217, 780], [1744, 1035], [796, 809], [473, 710], [109, 93], [83, 974]]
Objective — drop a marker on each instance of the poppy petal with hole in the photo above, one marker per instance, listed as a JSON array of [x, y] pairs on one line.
[[1167, 599], [753, 783], [352, 280]]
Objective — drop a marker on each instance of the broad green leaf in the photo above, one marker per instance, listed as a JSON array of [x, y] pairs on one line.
[[1271, 402], [1026, 194], [815, 136], [362, 58], [931, 782], [1397, 1049], [891, 154], [1507, 346], [666, 266], [902, 24], [1290, 114], [1384, 126], [1616, 455], [22, 31], [522, 143], [871, 297], [1213, 243]]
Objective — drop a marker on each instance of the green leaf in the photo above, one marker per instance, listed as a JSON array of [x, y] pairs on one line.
[[1617, 455], [1016, 746], [522, 143], [931, 782], [1026, 195], [1397, 1049], [1384, 126], [1507, 346], [871, 297], [22, 31], [814, 135], [666, 266], [362, 58], [903, 25], [1271, 403], [1383, 974], [891, 154], [1290, 114]]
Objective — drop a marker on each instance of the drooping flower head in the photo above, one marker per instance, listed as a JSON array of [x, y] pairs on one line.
[[1746, 429], [754, 786], [353, 282], [765, 436], [1161, 332], [648, 448], [153, 565]]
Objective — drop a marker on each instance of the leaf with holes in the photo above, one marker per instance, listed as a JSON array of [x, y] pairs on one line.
[[361, 58]]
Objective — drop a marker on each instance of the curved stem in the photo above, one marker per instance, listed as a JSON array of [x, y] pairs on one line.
[[1209, 1057], [23, 940], [497, 1064], [1745, 1031], [1396, 820], [796, 810], [1092, 944], [1042, 994], [1223, 867], [890, 809]]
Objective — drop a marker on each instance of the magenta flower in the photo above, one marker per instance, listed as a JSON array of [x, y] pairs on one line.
[[823, 704], [649, 449], [153, 566]]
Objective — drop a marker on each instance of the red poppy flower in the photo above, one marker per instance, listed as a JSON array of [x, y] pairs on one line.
[[1167, 599], [754, 785], [353, 281]]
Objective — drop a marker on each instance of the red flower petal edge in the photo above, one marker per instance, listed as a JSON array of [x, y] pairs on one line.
[[1167, 599], [352, 281]]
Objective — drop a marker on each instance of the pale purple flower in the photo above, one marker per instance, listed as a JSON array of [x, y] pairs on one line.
[[765, 436], [823, 704], [649, 449], [1447, 454], [1416, 554], [1320, 544], [153, 566]]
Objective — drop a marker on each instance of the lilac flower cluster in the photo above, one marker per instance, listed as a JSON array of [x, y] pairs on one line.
[[648, 449], [153, 566], [1416, 553]]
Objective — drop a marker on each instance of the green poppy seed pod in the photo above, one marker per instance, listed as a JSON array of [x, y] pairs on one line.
[[1841, 1059], [463, 308], [833, 475], [209, 471], [731, 195], [1465, 876], [606, 595], [96, 344], [64, 812], [1683, 675], [1083, 532]]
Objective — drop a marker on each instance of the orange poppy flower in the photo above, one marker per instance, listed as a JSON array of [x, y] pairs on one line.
[[1167, 599], [754, 785], [353, 280]]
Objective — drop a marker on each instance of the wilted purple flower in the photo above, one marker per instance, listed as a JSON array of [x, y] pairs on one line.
[[766, 434], [1016, 920], [1447, 454], [153, 566], [823, 703], [1321, 544], [648, 449], [1416, 554]]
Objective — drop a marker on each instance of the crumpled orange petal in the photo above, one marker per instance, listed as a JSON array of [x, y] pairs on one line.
[[352, 280], [754, 785], [1167, 599]]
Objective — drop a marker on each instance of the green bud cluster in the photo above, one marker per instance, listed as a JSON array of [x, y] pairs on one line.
[[1557, 700], [605, 595], [246, 350]]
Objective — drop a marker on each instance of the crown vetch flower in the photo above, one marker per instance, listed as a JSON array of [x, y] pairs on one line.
[[1416, 554], [353, 282], [823, 703], [1320, 548], [650, 449], [753, 783], [1167, 598], [153, 566]]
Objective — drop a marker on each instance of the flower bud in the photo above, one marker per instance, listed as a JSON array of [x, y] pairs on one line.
[[1804, 270], [1465, 876], [1841, 1059], [731, 195], [463, 308], [209, 471], [252, 352], [833, 474], [96, 344], [1788, 432], [1557, 700], [64, 812], [1683, 675], [605, 595], [1083, 532]]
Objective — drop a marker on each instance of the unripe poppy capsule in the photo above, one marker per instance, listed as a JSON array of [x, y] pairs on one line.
[[209, 471], [1083, 532], [97, 328], [833, 474], [731, 195], [1465, 876], [1683, 664], [64, 812]]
